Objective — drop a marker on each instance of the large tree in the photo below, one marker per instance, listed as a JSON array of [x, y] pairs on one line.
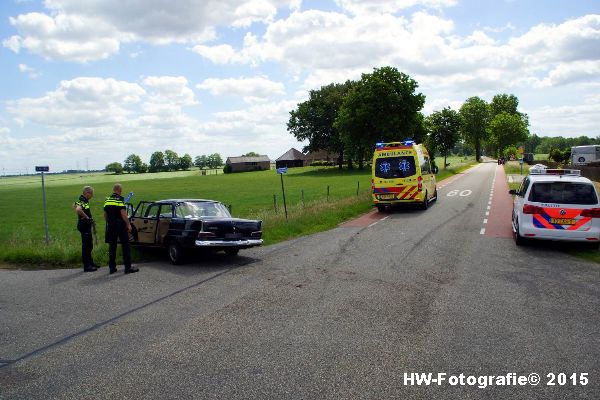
[[443, 127], [200, 161], [507, 130], [507, 126], [157, 161], [214, 160], [115, 167], [382, 106], [474, 115], [133, 163], [171, 160], [313, 120], [185, 162]]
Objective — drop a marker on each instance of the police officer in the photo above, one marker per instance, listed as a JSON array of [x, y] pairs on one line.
[[84, 226], [117, 228]]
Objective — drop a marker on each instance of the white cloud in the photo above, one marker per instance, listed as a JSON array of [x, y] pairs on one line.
[[12, 43], [250, 89], [574, 40], [70, 37], [329, 44], [170, 89], [80, 102], [92, 30], [31, 72], [567, 73], [576, 120], [222, 54], [358, 7], [106, 120]]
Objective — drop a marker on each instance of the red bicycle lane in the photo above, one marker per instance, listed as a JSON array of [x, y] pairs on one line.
[[498, 222]]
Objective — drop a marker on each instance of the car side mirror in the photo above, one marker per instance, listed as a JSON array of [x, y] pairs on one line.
[[513, 191], [435, 170]]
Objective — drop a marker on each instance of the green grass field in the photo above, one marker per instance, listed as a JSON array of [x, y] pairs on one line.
[[250, 195]]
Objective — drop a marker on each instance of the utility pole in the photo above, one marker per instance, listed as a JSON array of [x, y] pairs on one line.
[[43, 169]]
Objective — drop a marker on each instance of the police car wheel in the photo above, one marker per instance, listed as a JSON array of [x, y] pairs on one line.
[[519, 240], [175, 252]]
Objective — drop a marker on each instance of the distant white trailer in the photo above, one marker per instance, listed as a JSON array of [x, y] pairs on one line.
[[581, 155]]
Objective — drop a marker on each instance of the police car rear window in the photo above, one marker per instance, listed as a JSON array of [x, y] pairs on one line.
[[395, 167], [563, 193]]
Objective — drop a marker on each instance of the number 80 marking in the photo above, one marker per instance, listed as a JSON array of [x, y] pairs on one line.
[[463, 193]]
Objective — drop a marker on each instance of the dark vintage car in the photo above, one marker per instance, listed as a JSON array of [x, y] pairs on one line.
[[182, 225]]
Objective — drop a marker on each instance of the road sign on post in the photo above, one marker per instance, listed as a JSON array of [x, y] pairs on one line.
[[282, 171], [42, 169]]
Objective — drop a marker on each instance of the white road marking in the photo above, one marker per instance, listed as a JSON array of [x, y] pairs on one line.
[[376, 222], [482, 231]]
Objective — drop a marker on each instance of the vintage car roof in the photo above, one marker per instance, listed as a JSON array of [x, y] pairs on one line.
[[185, 200]]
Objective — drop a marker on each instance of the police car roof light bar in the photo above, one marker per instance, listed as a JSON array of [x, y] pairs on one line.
[[555, 172]]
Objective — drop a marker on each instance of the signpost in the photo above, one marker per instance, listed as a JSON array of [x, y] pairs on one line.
[[282, 171], [43, 169], [521, 164]]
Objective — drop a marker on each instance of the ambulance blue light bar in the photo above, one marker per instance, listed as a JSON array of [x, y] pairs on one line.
[[408, 142]]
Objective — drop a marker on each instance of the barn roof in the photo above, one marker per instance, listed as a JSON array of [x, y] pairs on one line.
[[237, 160], [291, 154]]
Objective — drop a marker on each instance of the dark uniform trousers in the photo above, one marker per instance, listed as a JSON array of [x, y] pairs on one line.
[[116, 231], [84, 226]]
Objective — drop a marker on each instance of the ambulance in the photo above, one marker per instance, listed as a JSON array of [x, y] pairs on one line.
[[402, 174]]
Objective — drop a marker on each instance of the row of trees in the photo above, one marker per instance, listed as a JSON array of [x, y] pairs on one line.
[[544, 144], [349, 118], [160, 161]]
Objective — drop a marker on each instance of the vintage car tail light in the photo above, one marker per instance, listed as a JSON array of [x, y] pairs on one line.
[[206, 235], [257, 234], [529, 209], [420, 183], [591, 212]]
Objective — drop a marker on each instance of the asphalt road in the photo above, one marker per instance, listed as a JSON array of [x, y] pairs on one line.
[[343, 314]]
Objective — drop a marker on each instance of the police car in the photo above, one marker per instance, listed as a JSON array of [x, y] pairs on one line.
[[556, 204]]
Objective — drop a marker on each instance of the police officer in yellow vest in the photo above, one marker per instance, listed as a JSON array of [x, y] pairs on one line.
[[117, 228], [84, 226]]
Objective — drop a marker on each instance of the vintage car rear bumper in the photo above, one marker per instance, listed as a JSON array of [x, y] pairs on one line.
[[229, 243]]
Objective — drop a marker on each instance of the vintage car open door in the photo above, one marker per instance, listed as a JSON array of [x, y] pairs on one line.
[[144, 222]]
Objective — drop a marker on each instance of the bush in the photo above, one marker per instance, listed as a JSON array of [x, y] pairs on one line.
[[322, 164], [227, 169], [560, 156]]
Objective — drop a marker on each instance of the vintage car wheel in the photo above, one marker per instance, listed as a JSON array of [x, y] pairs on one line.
[[176, 254], [232, 251]]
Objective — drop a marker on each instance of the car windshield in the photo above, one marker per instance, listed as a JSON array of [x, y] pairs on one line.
[[197, 209], [395, 167], [563, 193]]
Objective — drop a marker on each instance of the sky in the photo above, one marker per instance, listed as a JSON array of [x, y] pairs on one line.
[[85, 83]]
